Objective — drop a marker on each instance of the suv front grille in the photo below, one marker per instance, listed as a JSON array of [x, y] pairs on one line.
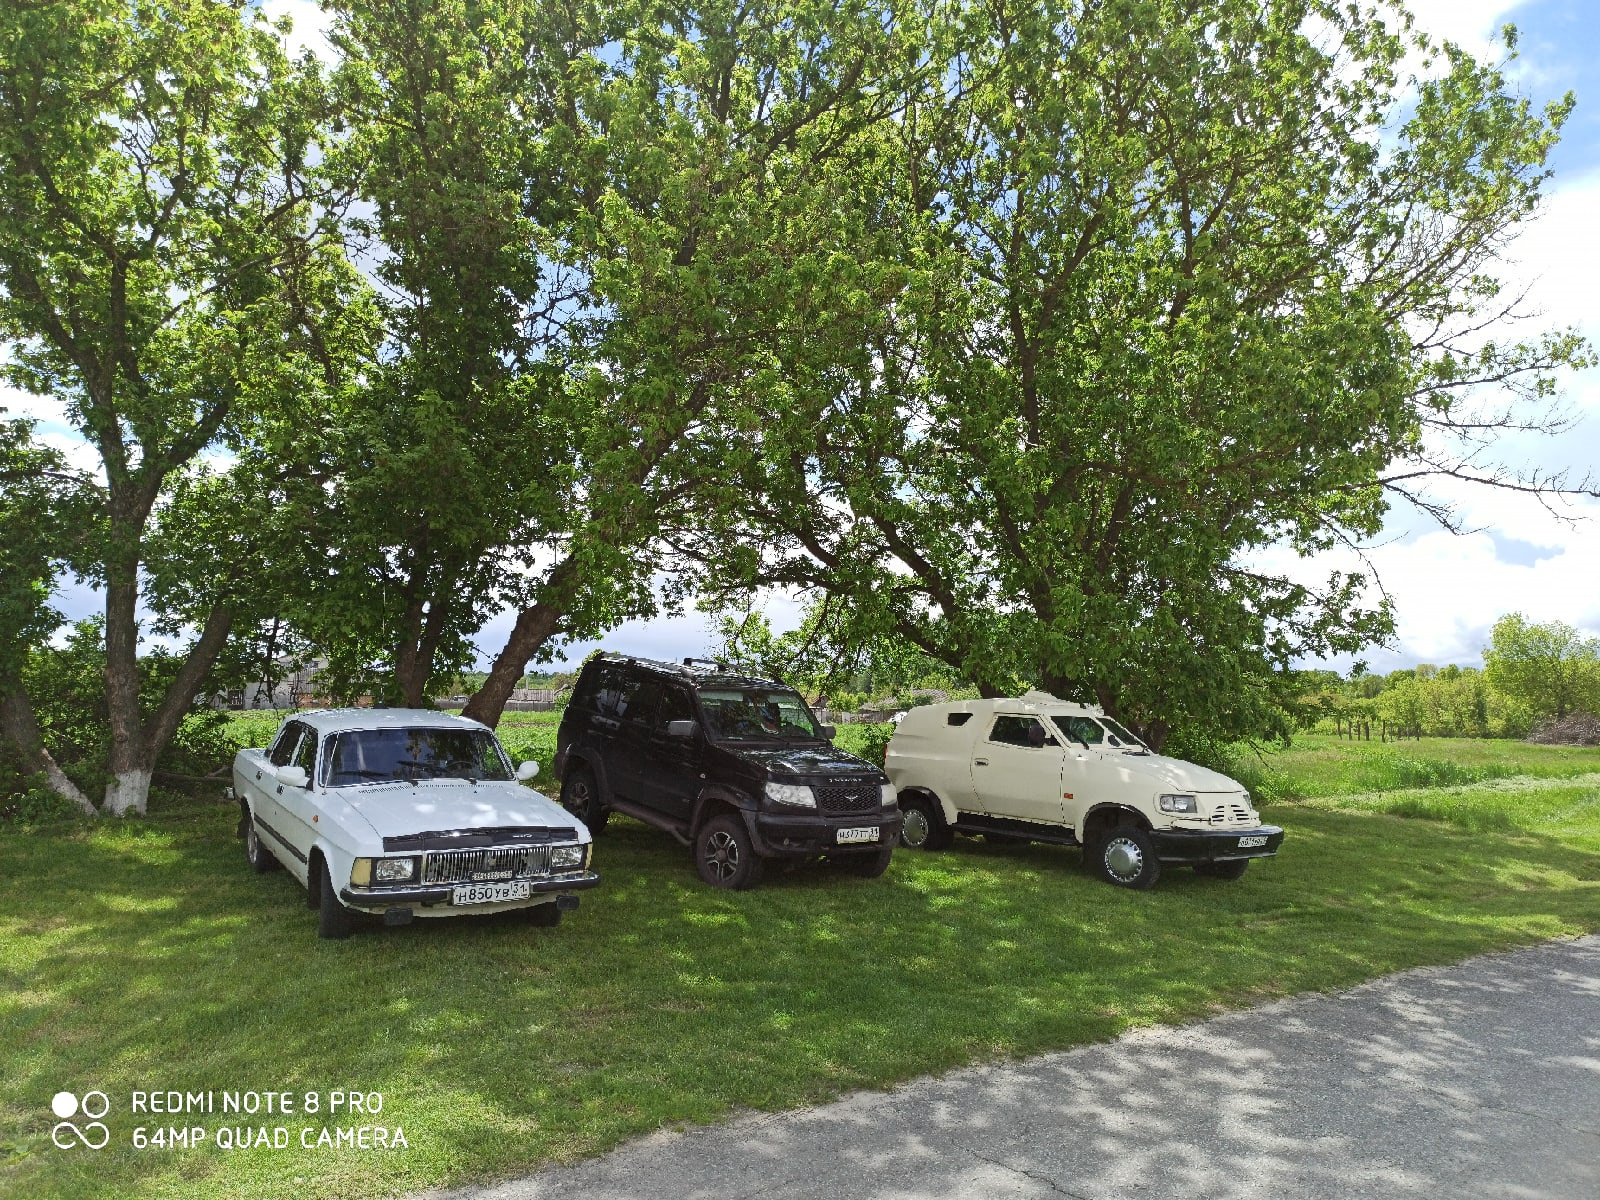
[[839, 799], [467, 866]]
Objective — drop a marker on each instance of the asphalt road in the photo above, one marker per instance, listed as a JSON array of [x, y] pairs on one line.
[[1475, 1081]]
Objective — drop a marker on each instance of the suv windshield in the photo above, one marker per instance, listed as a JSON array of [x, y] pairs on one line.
[[409, 755], [750, 714]]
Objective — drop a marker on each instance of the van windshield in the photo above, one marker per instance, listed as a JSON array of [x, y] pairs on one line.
[[409, 755], [1118, 732], [755, 714]]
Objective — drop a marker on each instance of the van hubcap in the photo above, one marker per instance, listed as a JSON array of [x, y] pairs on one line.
[[915, 830], [1124, 859]]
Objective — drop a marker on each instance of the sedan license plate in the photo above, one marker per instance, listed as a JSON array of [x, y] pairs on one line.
[[865, 833], [489, 893], [1246, 843]]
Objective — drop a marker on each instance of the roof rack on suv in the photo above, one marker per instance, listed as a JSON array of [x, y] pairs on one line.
[[709, 663]]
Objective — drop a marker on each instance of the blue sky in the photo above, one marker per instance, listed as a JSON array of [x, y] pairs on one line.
[[1448, 588]]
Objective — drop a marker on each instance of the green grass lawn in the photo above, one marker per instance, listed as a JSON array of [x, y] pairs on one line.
[[145, 955]]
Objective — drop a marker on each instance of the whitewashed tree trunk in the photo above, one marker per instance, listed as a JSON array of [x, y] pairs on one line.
[[128, 791]]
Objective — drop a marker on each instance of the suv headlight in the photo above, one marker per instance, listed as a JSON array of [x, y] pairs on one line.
[[1177, 804], [393, 870], [891, 798], [797, 794], [566, 858]]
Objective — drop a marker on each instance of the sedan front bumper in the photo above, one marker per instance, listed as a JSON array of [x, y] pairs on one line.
[[1215, 845], [377, 899]]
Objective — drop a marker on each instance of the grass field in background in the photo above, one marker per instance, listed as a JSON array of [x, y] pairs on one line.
[[143, 954]]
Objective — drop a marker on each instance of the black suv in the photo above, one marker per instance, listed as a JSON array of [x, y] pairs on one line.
[[735, 767]]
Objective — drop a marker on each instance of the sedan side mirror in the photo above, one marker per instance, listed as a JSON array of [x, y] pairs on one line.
[[682, 729], [293, 777], [527, 771], [827, 732]]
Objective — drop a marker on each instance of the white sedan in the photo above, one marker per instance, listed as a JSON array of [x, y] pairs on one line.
[[407, 813]]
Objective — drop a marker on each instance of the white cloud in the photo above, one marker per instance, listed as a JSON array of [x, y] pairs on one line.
[[310, 25]]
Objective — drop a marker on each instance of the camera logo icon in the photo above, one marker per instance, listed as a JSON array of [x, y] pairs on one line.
[[93, 1133]]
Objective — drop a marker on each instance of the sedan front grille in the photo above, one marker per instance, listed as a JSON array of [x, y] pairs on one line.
[[850, 798], [471, 866]]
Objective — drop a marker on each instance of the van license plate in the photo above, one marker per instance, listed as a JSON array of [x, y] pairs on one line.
[[489, 893], [1246, 843], [866, 833]]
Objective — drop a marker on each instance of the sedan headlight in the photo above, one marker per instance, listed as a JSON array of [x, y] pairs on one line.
[[797, 794], [1176, 804], [393, 870], [566, 858], [891, 798]]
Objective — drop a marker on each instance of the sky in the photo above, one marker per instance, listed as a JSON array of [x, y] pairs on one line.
[[1447, 588]]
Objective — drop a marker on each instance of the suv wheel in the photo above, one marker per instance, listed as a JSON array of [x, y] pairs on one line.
[[1126, 857], [922, 826], [724, 856], [581, 797], [1232, 869]]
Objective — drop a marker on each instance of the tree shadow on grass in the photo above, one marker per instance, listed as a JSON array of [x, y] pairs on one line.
[[151, 958]]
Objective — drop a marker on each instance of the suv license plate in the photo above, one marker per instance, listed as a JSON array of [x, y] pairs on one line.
[[866, 833], [1255, 840], [489, 893]]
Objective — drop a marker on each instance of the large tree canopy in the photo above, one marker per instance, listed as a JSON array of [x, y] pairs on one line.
[[1182, 281]]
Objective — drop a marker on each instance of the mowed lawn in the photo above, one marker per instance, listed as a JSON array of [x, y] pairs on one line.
[[144, 955]]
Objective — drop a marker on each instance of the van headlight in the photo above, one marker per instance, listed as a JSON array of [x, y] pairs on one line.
[[891, 798], [566, 858], [796, 794], [1176, 804]]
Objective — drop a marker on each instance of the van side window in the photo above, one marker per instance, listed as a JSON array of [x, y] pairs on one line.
[[1013, 731], [1082, 729], [957, 718]]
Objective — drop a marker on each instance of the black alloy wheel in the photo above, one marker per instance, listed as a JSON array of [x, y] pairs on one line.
[[580, 795], [724, 856]]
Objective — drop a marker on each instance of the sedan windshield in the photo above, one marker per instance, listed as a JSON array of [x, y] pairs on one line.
[[410, 755], [740, 714]]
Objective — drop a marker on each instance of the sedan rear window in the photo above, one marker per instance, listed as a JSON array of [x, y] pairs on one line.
[[410, 755]]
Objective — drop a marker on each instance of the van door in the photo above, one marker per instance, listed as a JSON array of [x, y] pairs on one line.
[[1083, 773], [1016, 770]]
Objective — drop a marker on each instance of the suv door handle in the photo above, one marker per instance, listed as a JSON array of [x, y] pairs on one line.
[[980, 762]]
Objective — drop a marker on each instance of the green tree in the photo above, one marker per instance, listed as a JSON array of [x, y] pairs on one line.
[[44, 509], [1549, 667], [1182, 282], [152, 200]]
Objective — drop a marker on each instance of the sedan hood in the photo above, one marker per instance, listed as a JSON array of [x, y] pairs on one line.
[[1175, 773], [804, 760], [401, 809]]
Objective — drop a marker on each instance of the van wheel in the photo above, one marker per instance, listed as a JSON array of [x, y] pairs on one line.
[[581, 797], [334, 920], [260, 858], [922, 825], [724, 856], [1127, 858], [868, 866], [1232, 869]]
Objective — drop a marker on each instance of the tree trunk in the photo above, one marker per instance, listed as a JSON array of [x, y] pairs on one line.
[[20, 727], [533, 629], [129, 786], [535, 626]]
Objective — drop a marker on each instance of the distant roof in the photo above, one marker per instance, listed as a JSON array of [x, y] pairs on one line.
[[333, 720]]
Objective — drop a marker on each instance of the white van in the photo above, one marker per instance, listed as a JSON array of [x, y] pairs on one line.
[[1047, 770]]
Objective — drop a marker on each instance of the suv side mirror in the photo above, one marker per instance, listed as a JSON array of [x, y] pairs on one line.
[[293, 777], [526, 771], [827, 732], [682, 729]]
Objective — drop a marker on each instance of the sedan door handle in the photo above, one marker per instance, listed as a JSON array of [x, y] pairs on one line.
[[980, 762]]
